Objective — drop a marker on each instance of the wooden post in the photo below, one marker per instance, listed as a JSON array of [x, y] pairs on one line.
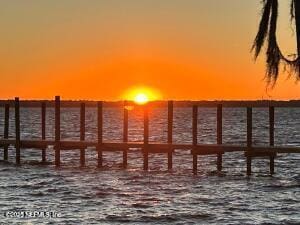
[[195, 164], [57, 131], [271, 123], [195, 125], [43, 129], [170, 133], [272, 166], [6, 131], [219, 134], [146, 137], [100, 132], [125, 133], [271, 135], [17, 124], [195, 134], [249, 139], [82, 133]]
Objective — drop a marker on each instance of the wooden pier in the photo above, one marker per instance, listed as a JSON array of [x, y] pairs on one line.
[[219, 149]]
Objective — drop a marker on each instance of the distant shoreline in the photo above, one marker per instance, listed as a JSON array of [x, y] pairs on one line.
[[187, 103]]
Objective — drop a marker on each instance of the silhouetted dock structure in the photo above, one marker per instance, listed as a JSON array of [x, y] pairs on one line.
[[250, 151]]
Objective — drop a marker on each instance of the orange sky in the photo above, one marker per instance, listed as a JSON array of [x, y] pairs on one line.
[[193, 49]]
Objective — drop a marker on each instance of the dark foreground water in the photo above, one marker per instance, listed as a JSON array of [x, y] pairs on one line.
[[113, 195]]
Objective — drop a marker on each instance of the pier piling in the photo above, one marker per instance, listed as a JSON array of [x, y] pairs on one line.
[[170, 134], [125, 133], [100, 133], [249, 140], [219, 134], [146, 137], [6, 131], [57, 131], [17, 124], [82, 133], [195, 139], [271, 136], [250, 150], [43, 112]]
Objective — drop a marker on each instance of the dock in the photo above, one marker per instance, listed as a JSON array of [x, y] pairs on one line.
[[218, 149]]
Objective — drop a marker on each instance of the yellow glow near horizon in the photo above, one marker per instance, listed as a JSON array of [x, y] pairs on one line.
[[141, 98], [170, 45], [142, 95]]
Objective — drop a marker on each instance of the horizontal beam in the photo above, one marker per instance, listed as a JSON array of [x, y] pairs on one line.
[[278, 149], [161, 147], [235, 104], [264, 153], [206, 152]]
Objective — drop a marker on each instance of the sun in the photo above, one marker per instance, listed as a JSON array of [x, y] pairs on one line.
[[141, 95], [141, 98]]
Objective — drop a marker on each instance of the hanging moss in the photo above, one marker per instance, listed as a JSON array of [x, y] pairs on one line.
[[267, 33]]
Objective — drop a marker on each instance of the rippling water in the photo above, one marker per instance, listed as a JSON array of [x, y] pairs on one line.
[[112, 195]]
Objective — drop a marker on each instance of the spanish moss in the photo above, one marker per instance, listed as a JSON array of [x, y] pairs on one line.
[[267, 33]]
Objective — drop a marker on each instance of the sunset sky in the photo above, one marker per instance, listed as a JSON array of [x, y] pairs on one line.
[[103, 49]]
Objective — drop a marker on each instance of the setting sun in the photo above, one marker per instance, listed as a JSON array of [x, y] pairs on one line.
[[141, 95], [141, 98]]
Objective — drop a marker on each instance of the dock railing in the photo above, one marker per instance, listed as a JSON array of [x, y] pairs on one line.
[[250, 151]]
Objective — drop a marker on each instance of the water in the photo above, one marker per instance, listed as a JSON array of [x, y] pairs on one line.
[[113, 195]]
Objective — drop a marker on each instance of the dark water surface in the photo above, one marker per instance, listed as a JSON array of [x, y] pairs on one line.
[[113, 195]]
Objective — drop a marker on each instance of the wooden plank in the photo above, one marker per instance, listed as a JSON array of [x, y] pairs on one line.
[[271, 136], [43, 115], [272, 165], [249, 139], [271, 124], [186, 104], [146, 125], [10, 141], [146, 137], [253, 153], [155, 149], [221, 148], [100, 132], [195, 138], [249, 163], [82, 133], [219, 135], [6, 131], [219, 124], [170, 134], [224, 147], [17, 130], [249, 127], [114, 149], [38, 144], [229, 148], [195, 124], [195, 164], [125, 133], [290, 150], [77, 144], [277, 149], [71, 144], [57, 131], [125, 153], [119, 146], [170, 121], [125, 122], [207, 152]]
